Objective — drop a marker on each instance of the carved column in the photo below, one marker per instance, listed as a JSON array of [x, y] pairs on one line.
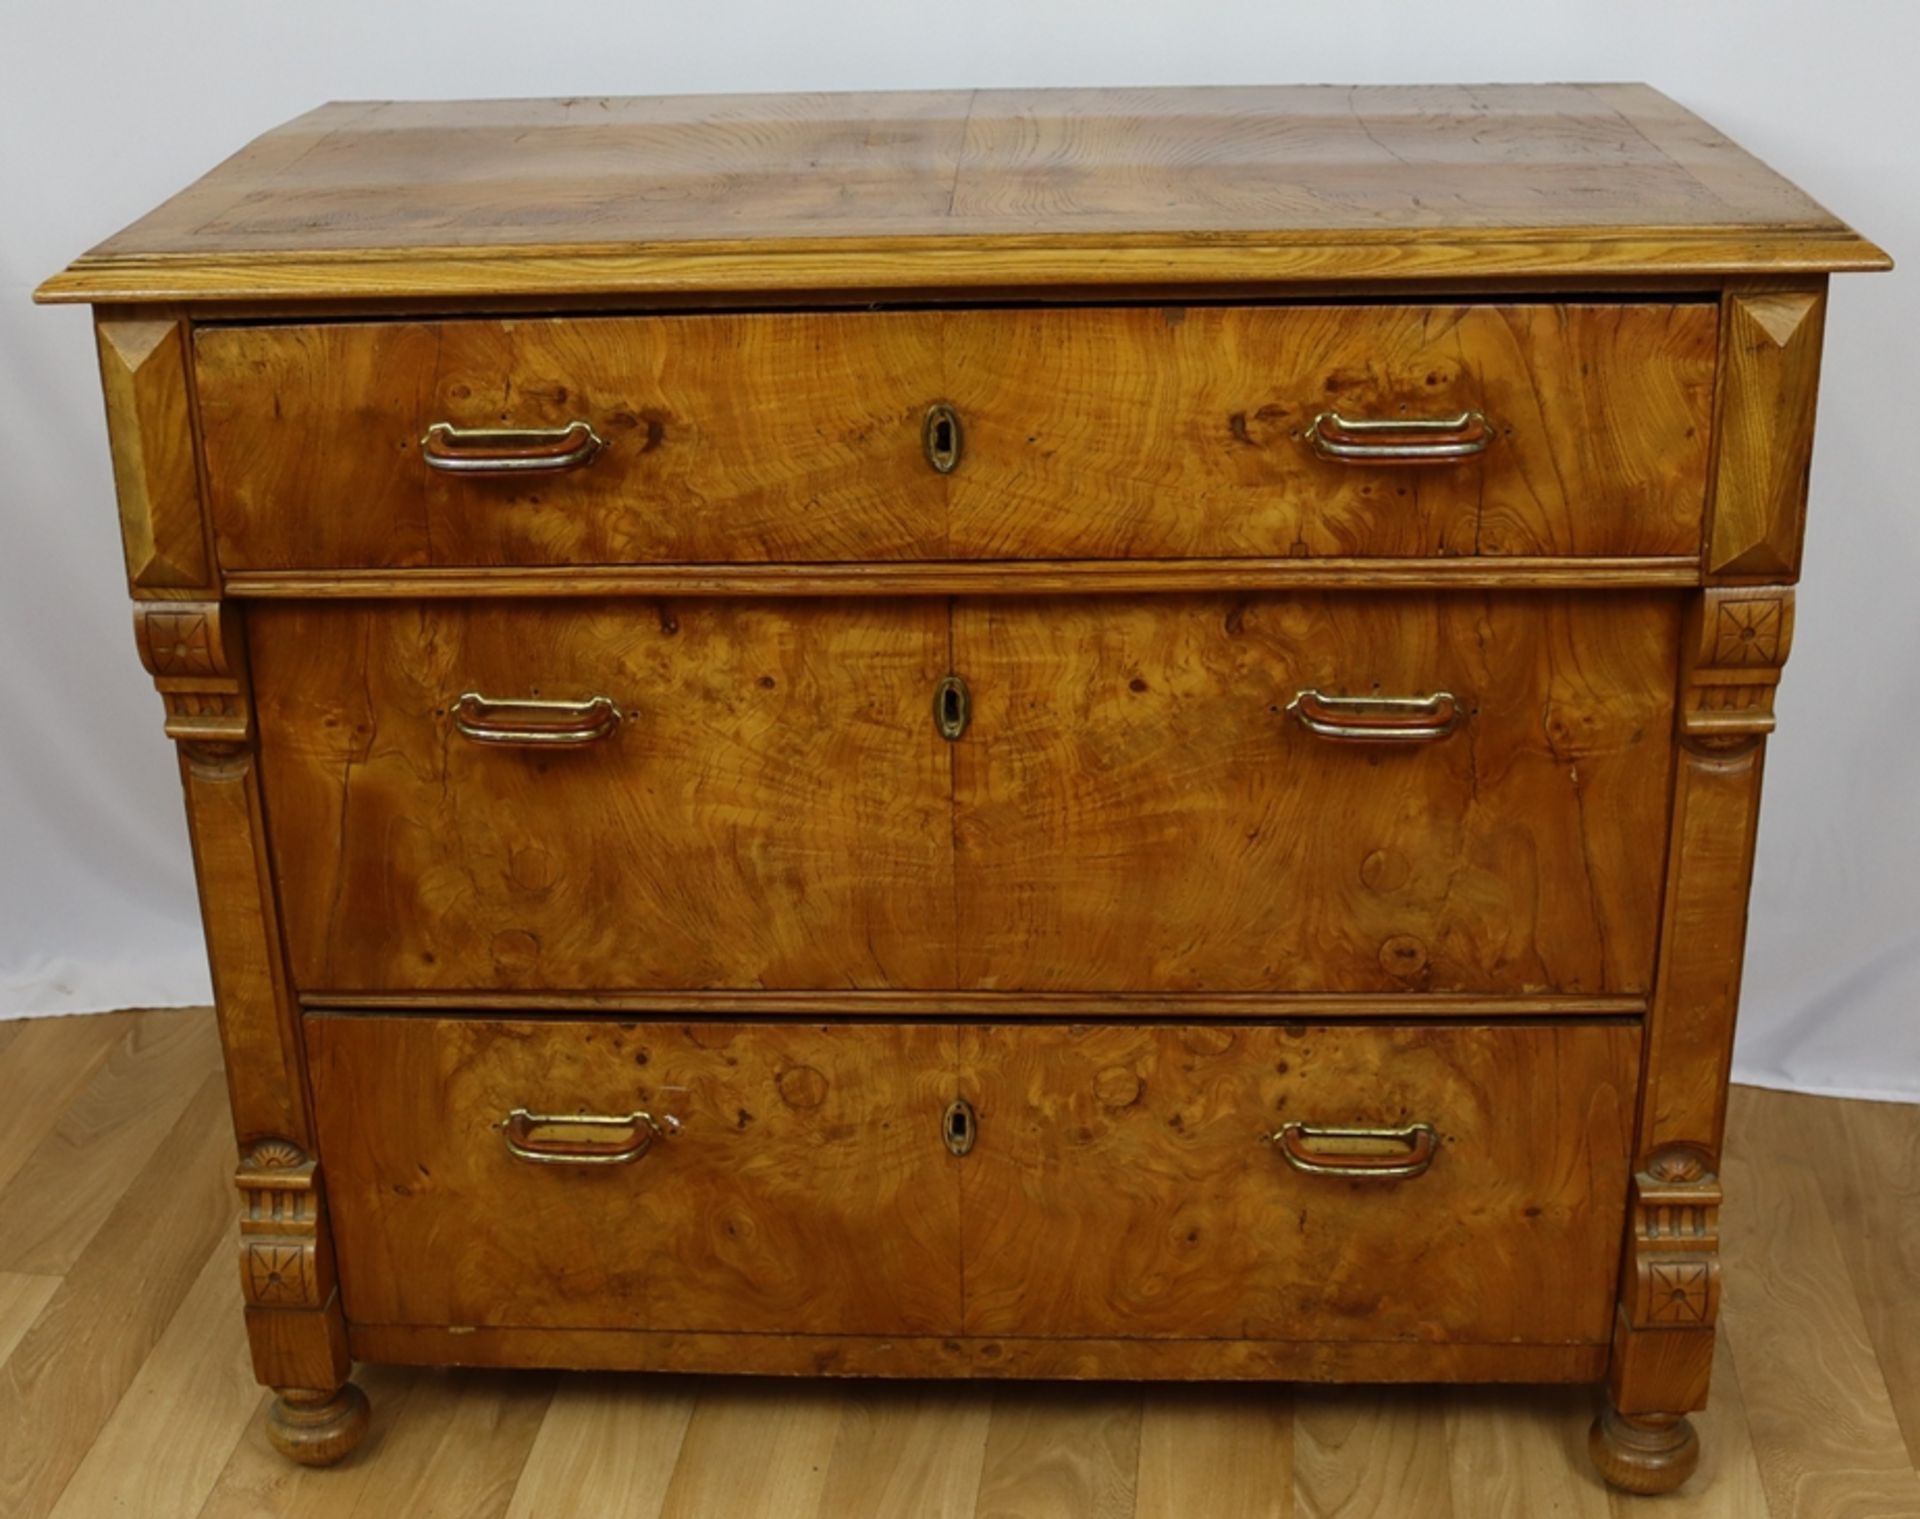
[[195, 653], [1736, 641]]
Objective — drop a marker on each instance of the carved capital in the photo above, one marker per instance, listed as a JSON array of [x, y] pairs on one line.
[[192, 651], [1737, 641], [1673, 1277], [284, 1259]]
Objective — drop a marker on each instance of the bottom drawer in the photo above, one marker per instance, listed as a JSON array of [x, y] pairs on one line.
[[1139, 1181]]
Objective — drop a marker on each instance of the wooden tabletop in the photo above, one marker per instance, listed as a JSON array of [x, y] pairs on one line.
[[990, 189]]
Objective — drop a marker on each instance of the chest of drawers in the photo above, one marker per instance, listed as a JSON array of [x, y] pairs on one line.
[[1057, 734]]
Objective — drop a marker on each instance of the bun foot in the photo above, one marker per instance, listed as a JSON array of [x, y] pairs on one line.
[[317, 1428], [1644, 1453]]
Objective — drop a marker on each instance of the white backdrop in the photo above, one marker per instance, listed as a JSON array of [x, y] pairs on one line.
[[105, 108]]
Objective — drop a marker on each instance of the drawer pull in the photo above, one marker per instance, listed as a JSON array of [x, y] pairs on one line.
[[1376, 719], [509, 450], [636, 1131], [1399, 440], [535, 724], [1320, 1152]]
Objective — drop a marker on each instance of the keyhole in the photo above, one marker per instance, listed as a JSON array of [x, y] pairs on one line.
[[940, 437], [952, 706], [958, 1128]]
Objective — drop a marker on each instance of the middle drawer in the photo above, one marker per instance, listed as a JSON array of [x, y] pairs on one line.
[[1155, 794]]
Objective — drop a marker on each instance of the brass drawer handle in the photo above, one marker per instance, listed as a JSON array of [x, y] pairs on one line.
[[520, 1129], [535, 724], [1399, 440], [1415, 1147], [509, 450], [1376, 719]]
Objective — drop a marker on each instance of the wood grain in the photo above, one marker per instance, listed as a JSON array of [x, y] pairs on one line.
[[604, 1435], [1034, 577], [21, 1299], [1728, 1481], [1120, 1184], [774, 437], [1134, 808], [1134, 303], [774, 811], [1734, 646], [1179, 432], [259, 1483], [1356, 1452], [1763, 432], [1101, 433], [908, 1449], [459, 1450], [156, 474], [807, 1191], [1181, 1007], [61, 1383], [143, 1461], [955, 191], [1376, 1453], [999, 1357], [764, 1454], [1213, 1452], [66, 1189], [1519, 1453], [194, 652], [1824, 1430], [51, 1062], [1867, 1156], [1071, 1454]]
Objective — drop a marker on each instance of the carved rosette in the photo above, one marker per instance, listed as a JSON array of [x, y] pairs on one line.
[[191, 649], [283, 1256], [1673, 1277], [1738, 638]]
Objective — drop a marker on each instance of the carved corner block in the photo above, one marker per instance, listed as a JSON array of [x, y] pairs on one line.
[[1736, 643], [1670, 1293], [143, 371], [285, 1256], [1769, 373], [192, 650], [1674, 1254]]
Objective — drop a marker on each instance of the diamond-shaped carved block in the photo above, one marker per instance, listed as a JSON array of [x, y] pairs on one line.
[[1769, 369], [143, 369]]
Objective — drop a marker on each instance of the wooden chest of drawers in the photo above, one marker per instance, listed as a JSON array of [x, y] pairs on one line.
[[1082, 734]]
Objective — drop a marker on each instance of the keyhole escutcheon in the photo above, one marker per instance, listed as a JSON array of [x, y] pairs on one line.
[[959, 1126], [940, 437], [952, 707]]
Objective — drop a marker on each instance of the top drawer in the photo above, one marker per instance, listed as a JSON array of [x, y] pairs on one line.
[[1134, 432]]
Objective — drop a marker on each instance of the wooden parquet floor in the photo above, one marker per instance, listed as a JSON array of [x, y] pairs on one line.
[[125, 1387]]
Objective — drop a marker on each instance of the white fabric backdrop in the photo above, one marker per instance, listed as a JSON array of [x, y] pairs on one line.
[[105, 108]]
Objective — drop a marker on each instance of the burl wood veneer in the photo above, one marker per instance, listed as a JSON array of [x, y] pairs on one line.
[[1066, 734]]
